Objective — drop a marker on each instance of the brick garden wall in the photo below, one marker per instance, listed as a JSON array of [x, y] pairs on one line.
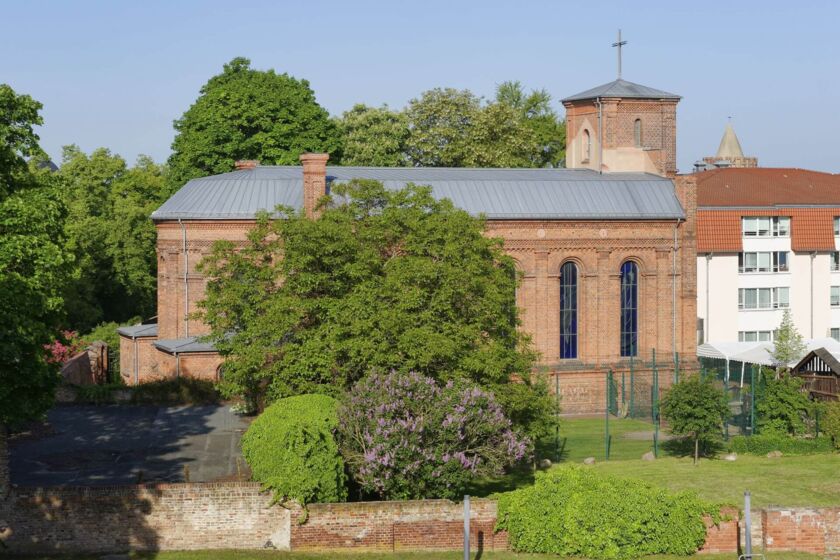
[[145, 517], [814, 530], [240, 516]]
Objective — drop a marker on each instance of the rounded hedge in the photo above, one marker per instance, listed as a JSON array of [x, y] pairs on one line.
[[575, 511], [291, 450]]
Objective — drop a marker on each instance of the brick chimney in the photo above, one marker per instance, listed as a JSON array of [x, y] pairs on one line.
[[246, 164], [314, 181]]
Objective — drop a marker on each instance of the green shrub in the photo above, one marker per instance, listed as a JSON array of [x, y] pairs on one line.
[[781, 405], [696, 408], [831, 422], [291, 450], [575, 511], [762, 444], [97, 394], [183, 390]]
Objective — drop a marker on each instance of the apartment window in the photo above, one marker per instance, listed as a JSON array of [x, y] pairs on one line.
[[835, 261], [771, 261], [836, 226], [755, 336], [765, 226], [835, 296], [767, 298], [834, 333]]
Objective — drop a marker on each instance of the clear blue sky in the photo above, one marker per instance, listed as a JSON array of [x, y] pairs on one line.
[[116, 74]]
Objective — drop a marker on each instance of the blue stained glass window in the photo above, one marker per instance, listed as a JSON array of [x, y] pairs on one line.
[[568, 311], [629, 309]]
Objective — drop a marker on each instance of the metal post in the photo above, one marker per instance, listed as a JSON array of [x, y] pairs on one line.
[[654, 406], [623, 393], [607, 418], [467, 527], [747, 526], [557, 414], [632, 387]]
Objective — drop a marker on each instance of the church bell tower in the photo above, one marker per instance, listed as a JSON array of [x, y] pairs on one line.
[[622, 126]]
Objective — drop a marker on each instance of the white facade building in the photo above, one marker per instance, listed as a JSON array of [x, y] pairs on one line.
[[768, 240]]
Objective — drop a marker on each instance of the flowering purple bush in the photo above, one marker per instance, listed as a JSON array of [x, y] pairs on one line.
[[405, 437]]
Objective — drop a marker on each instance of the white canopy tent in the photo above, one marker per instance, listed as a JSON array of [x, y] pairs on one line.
[[759, 353]]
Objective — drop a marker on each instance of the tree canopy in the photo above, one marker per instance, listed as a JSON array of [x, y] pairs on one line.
[[384, 280], [109, 231], [789, 345], [243, 114], [445, 127], [373, 136], [696, 408], [34, 265]]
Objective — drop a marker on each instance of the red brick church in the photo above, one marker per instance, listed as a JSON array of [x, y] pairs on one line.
[[606, 246]]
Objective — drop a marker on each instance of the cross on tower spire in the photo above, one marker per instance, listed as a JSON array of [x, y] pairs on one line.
[[618, 44]]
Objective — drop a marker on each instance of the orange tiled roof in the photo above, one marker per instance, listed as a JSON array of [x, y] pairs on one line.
[[765, 186], [725, 195]]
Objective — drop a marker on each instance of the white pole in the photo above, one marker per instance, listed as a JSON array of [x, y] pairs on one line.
[[467, 527]]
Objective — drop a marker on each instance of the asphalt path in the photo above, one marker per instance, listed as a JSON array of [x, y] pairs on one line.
[[124, 444]]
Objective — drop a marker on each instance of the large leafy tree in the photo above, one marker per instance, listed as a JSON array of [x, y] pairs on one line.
[[696, 408], [111, 235], [244, 113], [454, 128], [33, 262], [384, 280], [373, 136], [535, 109]]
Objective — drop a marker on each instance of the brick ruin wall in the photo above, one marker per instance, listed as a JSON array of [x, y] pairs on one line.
[[241, 516]]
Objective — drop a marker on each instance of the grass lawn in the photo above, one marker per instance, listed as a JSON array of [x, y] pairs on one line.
[[810, 480], [260, 555]]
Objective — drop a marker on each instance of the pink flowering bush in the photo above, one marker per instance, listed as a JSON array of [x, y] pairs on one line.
[[63, 348], [405, 437]]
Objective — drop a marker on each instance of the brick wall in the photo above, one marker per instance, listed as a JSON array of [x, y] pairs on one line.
[[240, 516], [149, 517], [814, 530], [385, 526]]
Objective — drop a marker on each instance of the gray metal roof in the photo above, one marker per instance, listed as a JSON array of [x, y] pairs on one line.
[[561, 194], [184, 345], [137, 331], [622, 88]]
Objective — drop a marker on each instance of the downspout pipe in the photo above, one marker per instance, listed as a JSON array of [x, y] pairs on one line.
[[600, 105], [186, 279], [813, 255], [136, 363], [674, 293], [708, 324]]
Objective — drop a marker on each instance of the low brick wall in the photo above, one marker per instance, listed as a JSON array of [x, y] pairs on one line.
[[392, 526], [814, 530], [143, 517], [240, 516]]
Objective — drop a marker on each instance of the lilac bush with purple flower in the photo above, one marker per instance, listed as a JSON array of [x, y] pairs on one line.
[[406, 437]]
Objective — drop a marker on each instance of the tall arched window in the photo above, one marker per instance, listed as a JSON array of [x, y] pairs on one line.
[[587, 145], [637, 132], [568, 310], [629, 309]]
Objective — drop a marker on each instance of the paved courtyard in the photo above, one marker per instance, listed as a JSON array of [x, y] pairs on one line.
[[100, 445]]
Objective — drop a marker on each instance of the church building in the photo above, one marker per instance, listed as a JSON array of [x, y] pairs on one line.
[[606, 246]]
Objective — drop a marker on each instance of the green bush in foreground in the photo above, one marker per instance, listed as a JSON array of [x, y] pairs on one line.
[[291, 450], [575, 511], [762, 444]]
